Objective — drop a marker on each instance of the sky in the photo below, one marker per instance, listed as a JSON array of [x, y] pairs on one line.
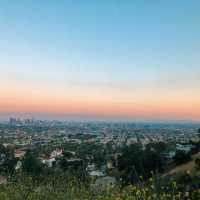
[[108, 59]]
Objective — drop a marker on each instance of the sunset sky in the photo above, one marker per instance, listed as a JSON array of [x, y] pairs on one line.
[[106, 59]]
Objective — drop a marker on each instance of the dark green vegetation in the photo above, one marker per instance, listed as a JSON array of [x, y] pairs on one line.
[[135, 162], [181, 157], [137, 171], [64, 186], [7, 160], [136, 168]]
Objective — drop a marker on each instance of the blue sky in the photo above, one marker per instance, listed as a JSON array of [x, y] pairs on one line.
[[97, 45]]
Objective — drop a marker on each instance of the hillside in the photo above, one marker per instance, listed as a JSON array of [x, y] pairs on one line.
[[189, 166]]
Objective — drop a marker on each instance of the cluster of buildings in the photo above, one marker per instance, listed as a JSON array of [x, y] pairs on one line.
[[26, 134]]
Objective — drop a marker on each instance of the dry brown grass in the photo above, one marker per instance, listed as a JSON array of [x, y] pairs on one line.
[[189, 166]]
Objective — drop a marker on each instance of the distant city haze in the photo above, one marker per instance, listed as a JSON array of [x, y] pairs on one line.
[[108, 60]]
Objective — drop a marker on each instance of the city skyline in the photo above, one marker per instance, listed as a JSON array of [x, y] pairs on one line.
[[100, 60]]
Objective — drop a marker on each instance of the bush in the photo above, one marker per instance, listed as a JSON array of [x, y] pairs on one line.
[[197, 162], [64, 187], [181, 157]]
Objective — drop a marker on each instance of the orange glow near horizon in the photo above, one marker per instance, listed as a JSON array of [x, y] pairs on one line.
[[115, 61], [153, 104]]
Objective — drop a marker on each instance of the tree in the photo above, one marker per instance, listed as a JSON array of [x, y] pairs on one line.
[[135, 161], [31, 164], [181, 157], [130, 163], [7, 160], [197, 162], [152, 162], [75, 168], [158, 147]]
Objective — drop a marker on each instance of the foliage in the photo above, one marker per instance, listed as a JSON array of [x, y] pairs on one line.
[[135, 161], [181, 157], [197, 162], [63, 186], [31, 165], [7, 160]]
